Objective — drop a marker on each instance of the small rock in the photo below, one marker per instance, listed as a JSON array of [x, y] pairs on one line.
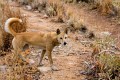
[[54, 68], [77, 73], [105, 34], [83, 72], [31, 61], [34, 54], [44, 69], [45, 16], [36, 11], [3, 68], [24, 15], [28, 7]]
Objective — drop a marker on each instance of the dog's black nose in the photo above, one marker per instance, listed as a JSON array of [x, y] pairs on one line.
[[65, 43]]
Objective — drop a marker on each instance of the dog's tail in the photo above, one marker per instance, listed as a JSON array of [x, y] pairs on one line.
[[8, 23]]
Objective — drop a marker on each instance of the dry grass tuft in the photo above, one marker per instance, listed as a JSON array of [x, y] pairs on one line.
[[107, 66], [105, 62], [8, 12], [55, 8], [16, 71], [35, 4], [105, 7]]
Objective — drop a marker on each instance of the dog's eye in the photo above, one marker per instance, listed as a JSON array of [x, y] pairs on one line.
[[60, 38], [65, 37]]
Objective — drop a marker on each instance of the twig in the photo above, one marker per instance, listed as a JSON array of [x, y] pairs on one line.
[[107, 51], [85, 41]]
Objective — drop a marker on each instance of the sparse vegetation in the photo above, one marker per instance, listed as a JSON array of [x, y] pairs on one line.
[[17, 71], [105, 63], [12, 69], [105, 7], [8, 12], [106, 66]]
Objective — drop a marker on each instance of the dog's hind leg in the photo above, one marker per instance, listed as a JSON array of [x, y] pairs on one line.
[[41, 57], [18, 56], [18, 48]]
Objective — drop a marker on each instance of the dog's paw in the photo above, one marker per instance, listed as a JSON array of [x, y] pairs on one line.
[[54, 68]]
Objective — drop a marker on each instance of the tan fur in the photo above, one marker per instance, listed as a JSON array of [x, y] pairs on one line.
[[1, 38], [46, 41]]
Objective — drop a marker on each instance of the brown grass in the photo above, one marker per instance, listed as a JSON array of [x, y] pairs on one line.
[[17, 71], [105, 60], [8, 12], [104, 6], [14, 69]]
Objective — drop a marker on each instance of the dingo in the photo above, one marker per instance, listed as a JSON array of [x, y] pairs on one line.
[[46, 41]]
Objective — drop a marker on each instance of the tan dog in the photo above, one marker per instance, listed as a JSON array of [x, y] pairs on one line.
[[46, 41]]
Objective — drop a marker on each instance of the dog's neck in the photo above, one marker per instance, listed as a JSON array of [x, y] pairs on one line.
[[55, 41], [54, 38]]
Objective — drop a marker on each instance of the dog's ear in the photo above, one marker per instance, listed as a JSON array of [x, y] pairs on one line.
[[58, 31], [66, 30]]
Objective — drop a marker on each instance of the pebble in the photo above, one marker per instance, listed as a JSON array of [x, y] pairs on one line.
[[3, 68], [28, 7], [45, 16], [44, 69], [36, 11]]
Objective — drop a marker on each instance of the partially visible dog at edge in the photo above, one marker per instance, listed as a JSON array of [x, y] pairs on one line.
[[46, 41]]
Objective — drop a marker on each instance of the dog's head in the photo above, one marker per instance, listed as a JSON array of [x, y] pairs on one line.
[[62, 36]]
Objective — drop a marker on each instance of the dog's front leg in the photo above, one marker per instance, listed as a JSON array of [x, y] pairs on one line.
[[51, 61], [41, 57], [50, 57]]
